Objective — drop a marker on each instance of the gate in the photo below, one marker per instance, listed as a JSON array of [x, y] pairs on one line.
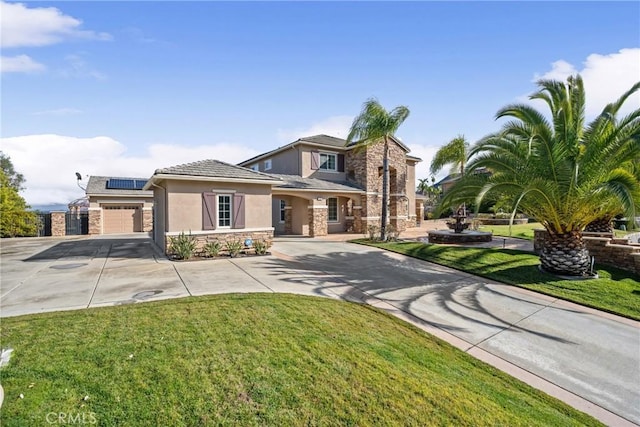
[[44, 224], [76, 223]]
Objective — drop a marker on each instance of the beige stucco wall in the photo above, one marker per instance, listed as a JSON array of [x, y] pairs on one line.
[[300, 216], [305, 157], [184, 203], [285, 162], [159, 217], [275, 209], [411, 186]]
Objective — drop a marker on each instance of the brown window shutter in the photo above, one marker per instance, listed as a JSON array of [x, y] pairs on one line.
[[208, 211], [315, 160], [238, 211], [340, 162]]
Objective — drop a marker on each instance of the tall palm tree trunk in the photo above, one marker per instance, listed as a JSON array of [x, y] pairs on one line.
[[565, 254], [385, 192]]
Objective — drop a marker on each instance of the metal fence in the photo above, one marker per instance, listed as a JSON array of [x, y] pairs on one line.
[[76, 223], [44, 224]]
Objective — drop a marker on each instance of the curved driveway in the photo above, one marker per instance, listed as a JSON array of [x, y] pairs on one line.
[[587, 358]]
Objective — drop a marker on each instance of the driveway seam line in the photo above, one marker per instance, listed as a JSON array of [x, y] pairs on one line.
[[511, 325], [181, 280], [250, 275], [104, 264]]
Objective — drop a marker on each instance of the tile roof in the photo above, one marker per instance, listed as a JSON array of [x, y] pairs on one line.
[[296, 182], [321, 140], [214, 169], [98, 185]]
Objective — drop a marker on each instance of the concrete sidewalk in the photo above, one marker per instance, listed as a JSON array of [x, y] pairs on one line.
[[586, 358]]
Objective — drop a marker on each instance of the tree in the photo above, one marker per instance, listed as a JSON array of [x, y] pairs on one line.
[[423, 186], [16, 180], [455, 153], [374, 124], [559, 171], [15, 219]]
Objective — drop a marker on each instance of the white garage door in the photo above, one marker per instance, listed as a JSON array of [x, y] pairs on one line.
[[121, 219]]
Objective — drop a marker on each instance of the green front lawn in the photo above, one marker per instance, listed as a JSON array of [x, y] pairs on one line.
[[616, 291], [521, 231], [257, 359]]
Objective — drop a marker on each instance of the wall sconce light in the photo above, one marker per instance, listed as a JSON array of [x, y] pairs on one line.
[[319, 199]]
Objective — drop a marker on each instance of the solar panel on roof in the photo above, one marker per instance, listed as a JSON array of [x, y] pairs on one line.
[[120, 184], [125, 184]]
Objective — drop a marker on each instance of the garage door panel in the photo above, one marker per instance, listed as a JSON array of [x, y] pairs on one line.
[[121, 219]]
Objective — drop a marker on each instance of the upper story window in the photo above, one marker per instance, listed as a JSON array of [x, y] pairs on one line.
[[267, 164], [255, 167], [328, 162]]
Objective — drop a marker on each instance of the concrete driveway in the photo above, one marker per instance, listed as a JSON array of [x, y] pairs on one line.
[[589, 359]]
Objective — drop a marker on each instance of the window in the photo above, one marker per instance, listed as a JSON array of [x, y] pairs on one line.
[[282, 210], [255, 167], [267, 164], [224, 210], [332, 203], [327, 162]]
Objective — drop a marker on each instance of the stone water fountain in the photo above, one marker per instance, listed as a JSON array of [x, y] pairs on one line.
[[458, 231]]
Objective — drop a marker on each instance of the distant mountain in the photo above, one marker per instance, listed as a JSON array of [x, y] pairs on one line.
[[49, 208]]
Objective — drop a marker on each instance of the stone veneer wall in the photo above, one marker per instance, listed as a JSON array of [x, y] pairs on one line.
[[95, 221], [147, 219], [605, 248], [318, 221], [223, 238], [58, 226], [366, 165]]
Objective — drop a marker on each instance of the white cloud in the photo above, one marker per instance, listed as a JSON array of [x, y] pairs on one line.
[[49, 162], [79, 68], [40, 26], [337, 126], [605, 77], [19, 64], [426, 153], [58, 112]]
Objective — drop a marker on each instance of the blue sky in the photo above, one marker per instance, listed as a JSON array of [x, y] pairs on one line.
[[123, 88]]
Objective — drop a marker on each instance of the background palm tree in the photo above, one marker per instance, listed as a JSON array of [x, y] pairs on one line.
[[374, 124], [423, 185], [455, 153], [559, 171]]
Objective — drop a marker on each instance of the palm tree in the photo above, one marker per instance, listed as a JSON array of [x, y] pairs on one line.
[[374, 124], [423, 185], [455, 153], [559, 171]]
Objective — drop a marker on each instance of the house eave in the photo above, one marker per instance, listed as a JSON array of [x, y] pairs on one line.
[[160, 177]]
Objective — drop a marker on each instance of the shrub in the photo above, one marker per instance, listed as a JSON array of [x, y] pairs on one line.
[[373, 232], [182, 246], [392, 233], [212, 249], [261, 246], [234, 247]]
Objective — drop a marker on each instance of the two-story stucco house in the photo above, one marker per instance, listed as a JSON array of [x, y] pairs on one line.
[[310, 187], [329, 187]]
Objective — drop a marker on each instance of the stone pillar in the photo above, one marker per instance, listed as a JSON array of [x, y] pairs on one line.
[[147, 219], [58, 227], [95, 221], [318, 212], [357, 219], [419, 212], [288, 220]]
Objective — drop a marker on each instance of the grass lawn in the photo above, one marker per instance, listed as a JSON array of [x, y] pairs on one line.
[[616, 291], [521, 231], [525, 231], [255, 359]]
